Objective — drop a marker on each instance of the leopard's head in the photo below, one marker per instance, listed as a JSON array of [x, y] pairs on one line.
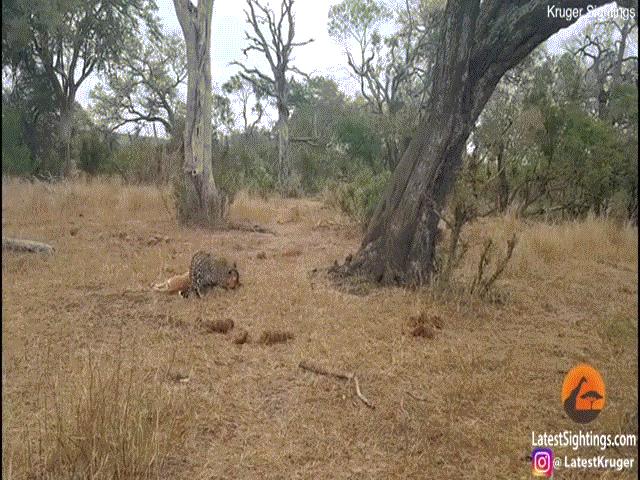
[[233, 278]]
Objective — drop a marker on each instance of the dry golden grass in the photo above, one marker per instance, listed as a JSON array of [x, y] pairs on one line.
[[107, 379], [251, 209]]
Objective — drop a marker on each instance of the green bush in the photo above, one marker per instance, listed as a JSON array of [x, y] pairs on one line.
[[361, 140], [246, 163], [260, 180], [319, 168], [141, 162], [94, 153], [359, 197], [16, 157], [619, 206]]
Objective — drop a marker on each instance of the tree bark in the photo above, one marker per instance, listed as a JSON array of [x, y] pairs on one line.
[[195, 22], [282, 100], [65, 126], [284, 168], [624, 30], [393, 153], [478, 44]]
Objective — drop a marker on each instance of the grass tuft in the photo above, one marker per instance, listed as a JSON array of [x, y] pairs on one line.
[[110, 420]]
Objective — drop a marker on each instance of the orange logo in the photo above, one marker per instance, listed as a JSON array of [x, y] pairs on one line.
[[583, 393]]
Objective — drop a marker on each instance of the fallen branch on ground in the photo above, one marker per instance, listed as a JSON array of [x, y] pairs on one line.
[[250, 227], [21, 245], [311, 367], [416, 397]]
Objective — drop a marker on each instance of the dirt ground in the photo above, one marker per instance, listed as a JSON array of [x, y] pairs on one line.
[[84, 337]]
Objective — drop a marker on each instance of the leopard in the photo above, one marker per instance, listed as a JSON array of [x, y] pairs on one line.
[[207, 272]]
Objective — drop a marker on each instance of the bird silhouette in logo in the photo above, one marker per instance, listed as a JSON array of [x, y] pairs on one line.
[[580, 415]]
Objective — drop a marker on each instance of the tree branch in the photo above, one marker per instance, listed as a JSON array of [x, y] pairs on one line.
[[311, 367]]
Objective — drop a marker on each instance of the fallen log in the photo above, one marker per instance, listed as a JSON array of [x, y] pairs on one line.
[[21, 245], [249, 227]]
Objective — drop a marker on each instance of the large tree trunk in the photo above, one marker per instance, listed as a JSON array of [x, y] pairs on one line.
[[478, 44], [199, 182], [625, 31], [65, 126], [284, 169], [392, 153]]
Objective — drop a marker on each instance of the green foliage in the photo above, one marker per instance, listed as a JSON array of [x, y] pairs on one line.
[[246, 162], [619, 203], [623, 106], [561, 149], [355, 17], [93, 154], [362, 142], [342, 136], [260, 180], [16, 157], [95, 31], [359, 197], [28, 95], [317, 167], [58, 44], [144, 87], [590, 161], [292, 186], [250, 96], [394, 70], [141, 162], [222, 116], [571, 87]]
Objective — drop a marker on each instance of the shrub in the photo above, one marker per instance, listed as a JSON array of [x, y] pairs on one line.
[[359, 197], [142, 162], [619, 206], [248, 163], [16, 157], [260, 181], [292, 186], [93, 153]]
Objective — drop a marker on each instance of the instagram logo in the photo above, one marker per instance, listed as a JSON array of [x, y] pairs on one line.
[[542, 462]]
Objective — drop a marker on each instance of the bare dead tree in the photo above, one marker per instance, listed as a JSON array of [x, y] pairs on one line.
[[245, 91], [625, 30], [276, 44], [606, 59], [195, 22]]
